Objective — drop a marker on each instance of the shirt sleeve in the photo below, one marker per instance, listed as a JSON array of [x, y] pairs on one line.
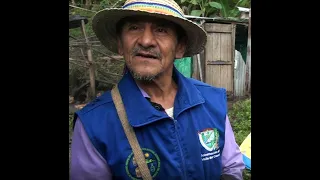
[[232, 159], [86, 162]]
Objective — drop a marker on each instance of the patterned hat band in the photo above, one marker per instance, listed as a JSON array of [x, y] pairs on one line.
[[153, 8]]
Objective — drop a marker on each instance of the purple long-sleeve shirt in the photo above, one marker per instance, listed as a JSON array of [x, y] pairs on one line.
[[87, 163]]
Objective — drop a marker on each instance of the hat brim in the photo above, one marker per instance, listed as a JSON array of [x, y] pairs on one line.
[[104, 26]]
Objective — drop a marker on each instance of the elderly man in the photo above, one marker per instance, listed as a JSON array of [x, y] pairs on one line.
[[155, 123]]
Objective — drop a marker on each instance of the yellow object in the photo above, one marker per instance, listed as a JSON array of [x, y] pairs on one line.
[[245, 147]]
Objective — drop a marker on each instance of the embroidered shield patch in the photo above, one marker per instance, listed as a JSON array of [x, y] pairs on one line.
[[209, 138]]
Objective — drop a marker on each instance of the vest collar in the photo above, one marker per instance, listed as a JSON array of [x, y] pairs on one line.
[[139, 110]]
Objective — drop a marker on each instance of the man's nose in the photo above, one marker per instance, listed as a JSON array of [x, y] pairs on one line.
[[147, 37]]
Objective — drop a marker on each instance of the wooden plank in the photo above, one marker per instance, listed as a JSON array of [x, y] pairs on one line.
[[199, 65], [219, 62], [226, 74], [203, 64], [207, 55], [213, 46], [195, 69], [213, 78], [226, 47], [216, 28], [226, 80], [212, 52]]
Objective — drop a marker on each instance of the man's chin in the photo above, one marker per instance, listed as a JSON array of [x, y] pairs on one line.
[[144, 76]]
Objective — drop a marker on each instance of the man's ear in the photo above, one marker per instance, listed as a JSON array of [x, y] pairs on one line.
[[120, 47], [181, 48]]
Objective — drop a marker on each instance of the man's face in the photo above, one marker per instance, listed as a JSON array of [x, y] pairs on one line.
[[149, 46]]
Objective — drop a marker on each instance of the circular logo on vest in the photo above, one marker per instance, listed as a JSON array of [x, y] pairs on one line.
[[152, 160]]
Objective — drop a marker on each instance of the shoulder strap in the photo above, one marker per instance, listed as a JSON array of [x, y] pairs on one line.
[[138, 154]]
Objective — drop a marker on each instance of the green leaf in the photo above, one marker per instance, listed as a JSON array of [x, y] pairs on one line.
[[196, 12], [215, 5], [225, 8], [194, 2], [243, 3], [182, 1], [234, 12]]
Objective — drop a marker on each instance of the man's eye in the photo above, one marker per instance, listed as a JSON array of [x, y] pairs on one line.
[[161, 30], [133, 27]]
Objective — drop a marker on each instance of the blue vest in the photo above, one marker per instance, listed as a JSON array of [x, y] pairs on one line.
[[186, 147]]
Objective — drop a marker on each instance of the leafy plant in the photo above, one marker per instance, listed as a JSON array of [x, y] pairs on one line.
[[111, 3], [208, 8], [240, 119], [203, 8]]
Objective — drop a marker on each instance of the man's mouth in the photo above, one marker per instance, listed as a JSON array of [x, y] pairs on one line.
[[145, 55]]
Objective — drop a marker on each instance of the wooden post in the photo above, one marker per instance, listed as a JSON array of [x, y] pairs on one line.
[[90, 62], [233, 49], [248, 61], [199, 65], [195, 69]]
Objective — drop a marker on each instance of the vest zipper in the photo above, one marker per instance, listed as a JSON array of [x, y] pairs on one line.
[[181, 153]]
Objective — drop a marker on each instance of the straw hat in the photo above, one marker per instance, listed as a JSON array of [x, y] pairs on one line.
[[104, 22]]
